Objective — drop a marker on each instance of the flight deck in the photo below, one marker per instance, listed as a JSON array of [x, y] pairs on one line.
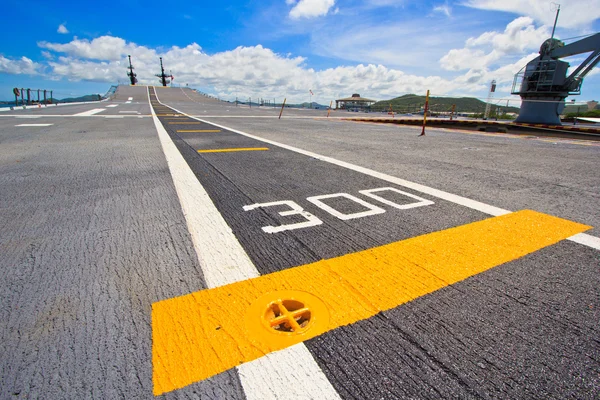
[[167, 244]]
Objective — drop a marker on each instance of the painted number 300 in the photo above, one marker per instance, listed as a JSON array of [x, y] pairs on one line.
[[312, 220]]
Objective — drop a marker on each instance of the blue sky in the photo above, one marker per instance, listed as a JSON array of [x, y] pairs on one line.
[[283, 48]]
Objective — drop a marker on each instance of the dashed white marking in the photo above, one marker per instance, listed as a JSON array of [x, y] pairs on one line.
[[581, 238], [129, 112], [89, 112], [112, 105], [130, 98], [34, 125], [114, 116], [289, 373]]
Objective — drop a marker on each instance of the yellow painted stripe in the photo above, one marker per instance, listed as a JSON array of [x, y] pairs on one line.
[[204, 333], [200, 130], [230, 150]]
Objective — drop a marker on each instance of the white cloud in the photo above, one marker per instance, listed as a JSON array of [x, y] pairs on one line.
[[444, 9], [244, 71], [62, 29], [101, 48], [310, 8], [490, 48], [23, 65], [574, 14]]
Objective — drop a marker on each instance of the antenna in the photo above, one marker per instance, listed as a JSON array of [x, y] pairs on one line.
[[555, 19], [130, 74]]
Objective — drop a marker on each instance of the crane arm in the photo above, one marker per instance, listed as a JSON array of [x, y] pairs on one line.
[[590, 43]]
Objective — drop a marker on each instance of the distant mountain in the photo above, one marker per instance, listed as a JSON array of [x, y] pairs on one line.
[[578, 109], [411, 103]]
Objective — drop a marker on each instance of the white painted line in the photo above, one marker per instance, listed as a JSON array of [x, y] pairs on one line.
[[89, 112], [306, 382], [113, 116], [581, 238], [130, 98], [112, 105], [128, 112], [223, 261], [586, 240], [127, 102], [34, 125]]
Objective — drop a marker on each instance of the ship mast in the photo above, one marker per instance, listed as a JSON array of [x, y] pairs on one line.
[[131, 74], [163, 77]]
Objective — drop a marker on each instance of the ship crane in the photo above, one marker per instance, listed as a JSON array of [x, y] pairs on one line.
[[131, 74], [543, 83]]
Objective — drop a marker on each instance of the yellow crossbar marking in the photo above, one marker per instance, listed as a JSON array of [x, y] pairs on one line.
[[229, 150], [200, 130], [204, 333]]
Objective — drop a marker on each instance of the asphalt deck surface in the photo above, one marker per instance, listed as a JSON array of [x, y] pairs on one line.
[[93, 234]]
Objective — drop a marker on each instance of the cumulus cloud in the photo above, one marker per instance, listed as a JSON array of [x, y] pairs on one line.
[[520, 36], [101, 48], [244, 71], [578, 15], [62, 29], [23, 65], [310, 8]]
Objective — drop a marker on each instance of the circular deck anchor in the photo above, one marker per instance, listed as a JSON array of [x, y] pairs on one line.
[[286, 317]]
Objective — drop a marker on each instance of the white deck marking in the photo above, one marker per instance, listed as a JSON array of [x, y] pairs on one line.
[[586, 240], [89, 112], [34, 125], [112, 105], [223, 260], [581, 238]]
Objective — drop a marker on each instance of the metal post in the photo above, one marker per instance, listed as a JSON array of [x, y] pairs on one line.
[[452, 112], [282, 105], [425, 114], [45, 100], [555, 20], [51, 99], [28, 97], [22, 96], [38, 96]]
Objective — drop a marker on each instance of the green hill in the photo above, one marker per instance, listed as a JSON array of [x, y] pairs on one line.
[[411, 103], [577, 109]]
